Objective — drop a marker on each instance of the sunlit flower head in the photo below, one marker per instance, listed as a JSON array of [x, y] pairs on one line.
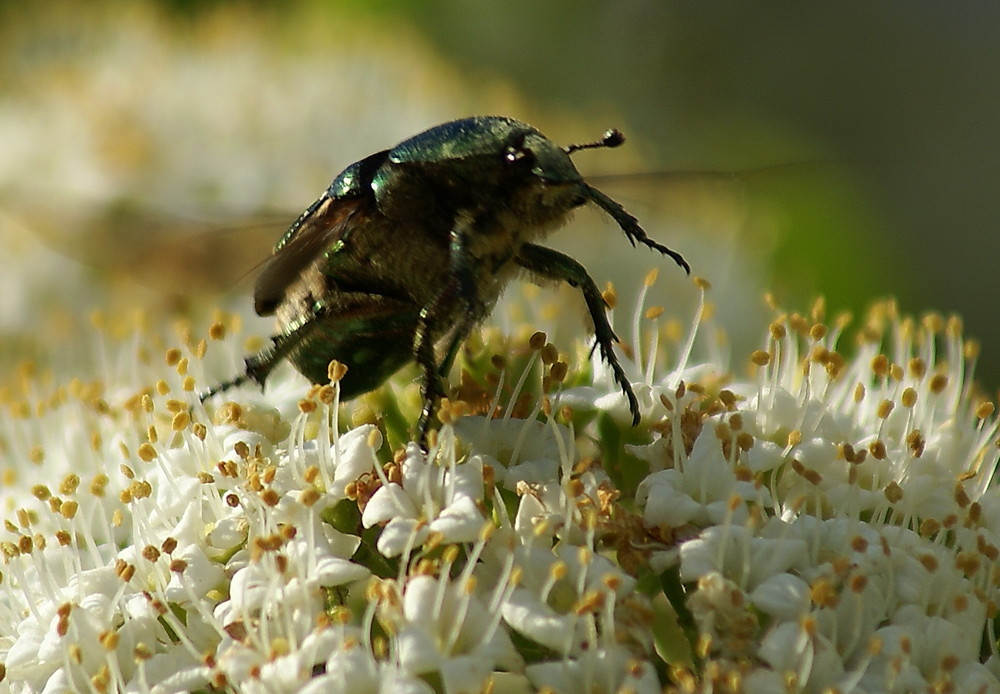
[[826, 521]]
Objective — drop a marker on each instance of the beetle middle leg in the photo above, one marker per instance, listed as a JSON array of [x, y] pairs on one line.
[[630, 225], [554, 265], [424, 354], [460, 289]]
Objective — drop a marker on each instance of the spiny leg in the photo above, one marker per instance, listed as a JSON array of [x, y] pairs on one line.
[[461, 288], [423, 354], [462, 267], [551, 264], [630, 225]]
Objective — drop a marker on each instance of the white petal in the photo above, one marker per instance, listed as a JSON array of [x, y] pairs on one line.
[[387, 503], [467, 673], [671, 508], [460, 522], [783, 596], [400, 534], [417, 652], [524, 613], [332, 571]]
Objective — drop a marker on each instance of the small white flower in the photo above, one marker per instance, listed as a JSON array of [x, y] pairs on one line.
[[602, 671], [521, 451], [700, 493], [440, 497], [443, 627], [547, 606]]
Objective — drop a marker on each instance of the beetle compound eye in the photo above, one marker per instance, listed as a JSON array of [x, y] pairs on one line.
[[523, 162], [516, 155], [519, 155], [521, 158]]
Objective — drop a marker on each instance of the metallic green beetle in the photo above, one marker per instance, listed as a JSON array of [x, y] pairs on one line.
[[409, 248]]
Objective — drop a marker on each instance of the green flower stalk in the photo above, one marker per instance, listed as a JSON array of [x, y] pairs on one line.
[[824, 520]]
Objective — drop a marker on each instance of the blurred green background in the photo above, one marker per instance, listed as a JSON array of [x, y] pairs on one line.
[[152, 152]]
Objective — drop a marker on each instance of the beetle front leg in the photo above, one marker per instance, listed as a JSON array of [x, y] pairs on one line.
[[551, 264], [630, 225]]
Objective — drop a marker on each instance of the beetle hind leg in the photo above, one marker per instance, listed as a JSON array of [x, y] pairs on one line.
[[257, 367]]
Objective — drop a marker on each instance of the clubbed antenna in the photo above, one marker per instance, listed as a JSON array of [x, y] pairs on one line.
[[612, 138]]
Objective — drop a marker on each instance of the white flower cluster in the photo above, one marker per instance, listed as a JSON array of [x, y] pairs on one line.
[[838, 519], [830, 524]]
